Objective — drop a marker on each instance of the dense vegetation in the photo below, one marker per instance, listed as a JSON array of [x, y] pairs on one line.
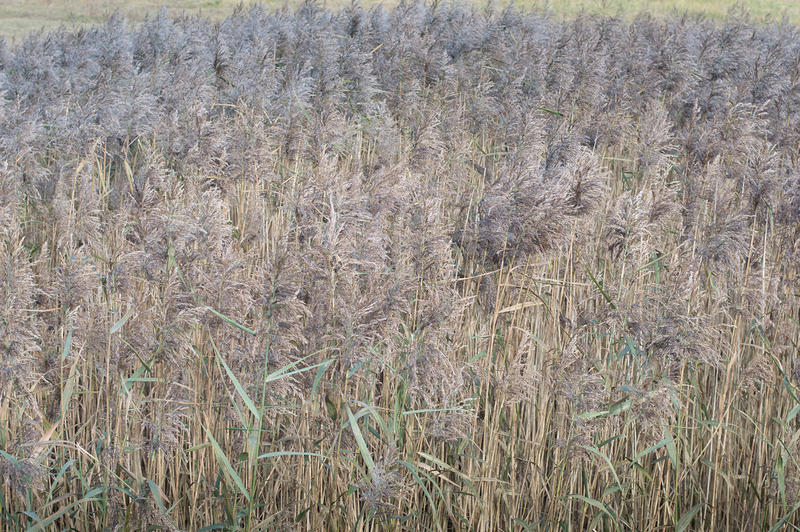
[[433, 268], [20, 17]]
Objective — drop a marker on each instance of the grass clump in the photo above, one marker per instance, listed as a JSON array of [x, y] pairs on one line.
[[425, 268]]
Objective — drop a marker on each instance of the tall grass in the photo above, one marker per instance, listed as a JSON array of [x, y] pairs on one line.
[[20, 17], [433, 268]]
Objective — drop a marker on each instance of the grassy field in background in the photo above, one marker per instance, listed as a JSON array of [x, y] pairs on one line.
[[19, 17], [423, 269]]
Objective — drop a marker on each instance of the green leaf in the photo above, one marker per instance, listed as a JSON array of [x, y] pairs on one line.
[[32, 515], [607, 460], [718, 471], [593, 502], [792, 414], [429, 410], [352, 371], [415, 472], [609, 440], [69, 388], [591, 415], [367, 409], [362, 444], [117, 326], [600, 287], [144, 379], [157, 497], [277, 454], [67, 346], [780, 472], [280, 374], [126, 383], [686, 518], [443, 465], [232, 322], [551, 111], [239, 389], [318, 378], [58, 476], [619, 406], [614, 489], [232, 474], [655, 447], [672, 450], [89, 497], [785, 519]]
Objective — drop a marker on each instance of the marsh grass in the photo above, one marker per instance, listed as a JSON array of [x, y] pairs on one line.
[[429, 268], [20, 17]]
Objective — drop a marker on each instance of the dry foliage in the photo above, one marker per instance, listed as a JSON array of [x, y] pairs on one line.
[[429, 268]]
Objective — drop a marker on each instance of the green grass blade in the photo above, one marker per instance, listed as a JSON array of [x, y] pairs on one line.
[[236, 384], [277, 454], [232, 474], [67, 346], [672, 449], [281, 375], [89, 497], [785, 519], [117, 326], [607, 460], [651, 449], [686, 518], [600, 287], [154, 489], [232, 322], [593, 502], [318, 378], [415, 472], [362, 444]]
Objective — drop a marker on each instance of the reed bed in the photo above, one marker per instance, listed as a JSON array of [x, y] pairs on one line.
[[433, 267]]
